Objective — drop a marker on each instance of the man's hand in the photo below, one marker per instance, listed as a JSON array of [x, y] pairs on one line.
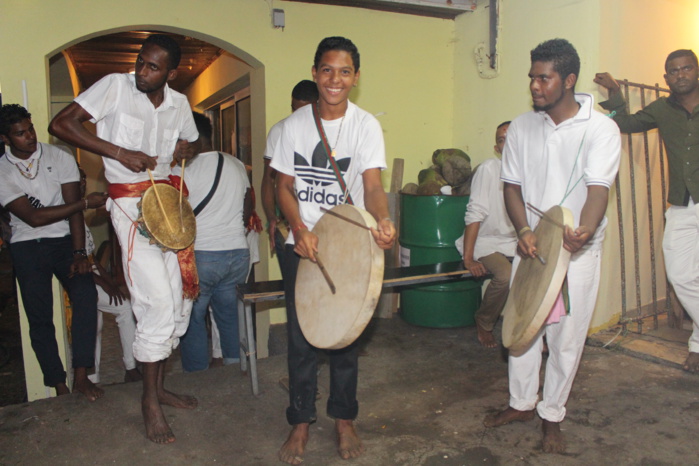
[[183, 151], [527, 244], [306, 244], [476, 268], [272, 231], [96, 200], [574, 240], [80, 265], [136, 161], [608, 82], [385, 233]]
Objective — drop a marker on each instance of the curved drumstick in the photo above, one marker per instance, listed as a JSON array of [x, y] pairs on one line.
[[181, 183], [325, 274], [160, 203]]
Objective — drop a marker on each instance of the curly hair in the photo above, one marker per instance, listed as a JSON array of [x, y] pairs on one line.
[[337, 43], [306, 91], [681, 53], [11, 114], [561, 53], [170, 45]]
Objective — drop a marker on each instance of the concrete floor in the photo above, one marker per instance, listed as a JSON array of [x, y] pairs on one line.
[[423, 395]]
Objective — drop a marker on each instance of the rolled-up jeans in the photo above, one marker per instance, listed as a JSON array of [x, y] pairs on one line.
[[219, 274]]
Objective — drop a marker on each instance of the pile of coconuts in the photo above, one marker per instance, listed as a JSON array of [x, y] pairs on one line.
[[451, 167]]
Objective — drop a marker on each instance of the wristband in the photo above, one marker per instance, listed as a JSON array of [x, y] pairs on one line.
[[523, 231], [81, 252], [85, 204], [297, 228], [388, 218]]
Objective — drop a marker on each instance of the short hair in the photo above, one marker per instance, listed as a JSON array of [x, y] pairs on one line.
[[306, 91], [502, 124], [337, 43], [170, 45], [11, 114], [561, 53], [681, 53], [203, 125]]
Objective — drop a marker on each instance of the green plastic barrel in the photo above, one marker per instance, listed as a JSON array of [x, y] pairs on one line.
[[429, 227]]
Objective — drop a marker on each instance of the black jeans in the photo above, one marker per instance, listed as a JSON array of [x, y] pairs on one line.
[[35, 262], [303, 364]]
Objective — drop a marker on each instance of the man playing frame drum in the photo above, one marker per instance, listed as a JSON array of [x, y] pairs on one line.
[[322, 161], [142, 125], [562, 153]]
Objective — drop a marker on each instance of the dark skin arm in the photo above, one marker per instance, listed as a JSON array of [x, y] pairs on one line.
[[470, 236], [117, 294], [269, 202], [248, 208]]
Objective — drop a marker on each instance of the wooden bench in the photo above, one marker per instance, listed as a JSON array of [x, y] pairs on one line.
[[252, 293]]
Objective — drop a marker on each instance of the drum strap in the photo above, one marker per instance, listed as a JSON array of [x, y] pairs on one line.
[[329, 152], [217, 178]]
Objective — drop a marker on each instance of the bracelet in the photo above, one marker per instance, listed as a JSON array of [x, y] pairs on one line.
[[85, 204], [297, 228], [523, 230], [117, 154], [81, 251], [388, 218]]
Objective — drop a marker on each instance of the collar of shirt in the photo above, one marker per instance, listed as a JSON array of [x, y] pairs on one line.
[[586, 102], [15, 160], [167, 96]]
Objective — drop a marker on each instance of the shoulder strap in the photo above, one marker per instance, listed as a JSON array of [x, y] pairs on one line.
[[208, 197], [328, 151]]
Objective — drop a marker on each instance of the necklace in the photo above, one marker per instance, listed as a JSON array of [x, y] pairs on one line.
[[26, 170], [337, 139]]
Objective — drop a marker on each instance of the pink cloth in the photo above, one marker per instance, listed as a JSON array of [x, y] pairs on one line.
[[558, 310]]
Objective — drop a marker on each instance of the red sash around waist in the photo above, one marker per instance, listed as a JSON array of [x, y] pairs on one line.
[[117, 190]]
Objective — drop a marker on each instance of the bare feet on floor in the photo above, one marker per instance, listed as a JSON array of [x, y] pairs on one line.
[[553, 442], [85, 386], [507, 416], [132, 375], [62, 389], [691, 364], [157, 428], [292, 450], [177, 401], [348, 443], [486, 337]]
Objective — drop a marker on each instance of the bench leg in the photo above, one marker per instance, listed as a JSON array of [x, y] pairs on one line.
[[248, 347]]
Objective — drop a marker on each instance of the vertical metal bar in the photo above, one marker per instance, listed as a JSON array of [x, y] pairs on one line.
[[493, 32], [622, 252], [663, 162], [651, 224], [634, 213]]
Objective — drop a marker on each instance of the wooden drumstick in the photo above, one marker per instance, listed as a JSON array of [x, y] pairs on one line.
[[181, 183], [546, 216], [325, 274], [353, 222], [160, 202]]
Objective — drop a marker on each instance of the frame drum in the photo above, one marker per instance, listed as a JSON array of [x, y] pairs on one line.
[[152, 220], [355, 263], [536, 286]]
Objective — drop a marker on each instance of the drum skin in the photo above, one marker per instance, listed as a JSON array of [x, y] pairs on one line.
[[536, 286], [356, 264], [154, 222]]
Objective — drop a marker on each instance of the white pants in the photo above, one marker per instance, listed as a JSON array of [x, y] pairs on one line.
[[565, 340], [154, 281], [681, 250]]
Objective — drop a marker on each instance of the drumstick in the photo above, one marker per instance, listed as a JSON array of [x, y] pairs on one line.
[[325, 274], [546, 216], [353, 222], [181, 183], [541, 259], [160, 203]]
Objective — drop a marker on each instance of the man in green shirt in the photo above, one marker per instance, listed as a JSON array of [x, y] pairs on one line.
[[677, 119]]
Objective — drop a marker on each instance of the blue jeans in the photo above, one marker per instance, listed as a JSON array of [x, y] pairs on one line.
[[219, 274]]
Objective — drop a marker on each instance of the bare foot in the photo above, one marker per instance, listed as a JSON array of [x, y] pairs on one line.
[[348, 443], [692, 363], [132, 375], [216, 362], [62, 389], [292, 450], [178, 401], [554, 442], [507, 416], [486, 337], [157, 428], [85, 386]]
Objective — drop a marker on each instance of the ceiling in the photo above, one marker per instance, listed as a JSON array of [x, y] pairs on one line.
[[116, 53], [445, 9]]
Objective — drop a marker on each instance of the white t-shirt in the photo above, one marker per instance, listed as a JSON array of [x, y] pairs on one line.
[[273, 137], [126, 117], [554, 164], [56, 166], [220, 224], [487, 206], [300, 154]]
